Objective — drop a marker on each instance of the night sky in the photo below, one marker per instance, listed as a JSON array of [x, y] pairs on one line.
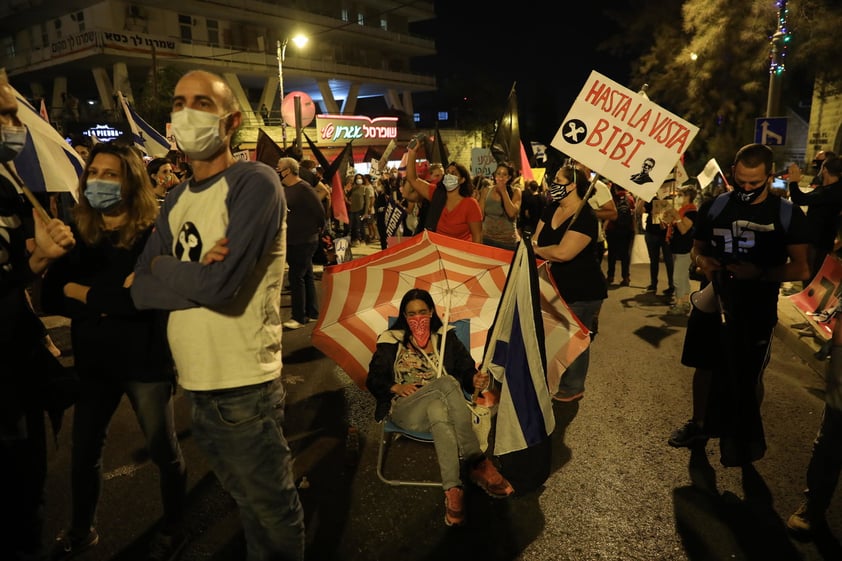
[[485, 50]]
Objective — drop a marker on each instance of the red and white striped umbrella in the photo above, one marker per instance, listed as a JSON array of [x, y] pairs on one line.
[[465, 280]]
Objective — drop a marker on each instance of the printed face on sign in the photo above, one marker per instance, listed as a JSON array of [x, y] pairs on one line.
[[623, 135]]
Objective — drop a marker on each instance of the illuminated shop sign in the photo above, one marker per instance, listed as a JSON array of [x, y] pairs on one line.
[[341, 129], [104, 133]]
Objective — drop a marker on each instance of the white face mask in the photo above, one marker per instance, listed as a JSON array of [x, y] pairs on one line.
[[450, 182], [12, 140], [197, 133]]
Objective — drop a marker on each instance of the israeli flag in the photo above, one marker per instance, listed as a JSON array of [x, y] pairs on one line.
[[147, 139], [47, 163]]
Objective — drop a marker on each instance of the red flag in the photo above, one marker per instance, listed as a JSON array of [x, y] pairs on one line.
[[337, 199], [43, 111], [333, 178], [525, 168]]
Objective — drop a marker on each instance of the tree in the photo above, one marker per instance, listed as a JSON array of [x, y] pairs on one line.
[[723, 87]]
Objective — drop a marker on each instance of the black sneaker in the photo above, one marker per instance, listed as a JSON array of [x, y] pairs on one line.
[[670, 291], [166, 547], [69, 544], [688, 435], [651, 288]]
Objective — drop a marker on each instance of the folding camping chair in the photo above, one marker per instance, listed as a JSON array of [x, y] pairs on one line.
[[391, 432]]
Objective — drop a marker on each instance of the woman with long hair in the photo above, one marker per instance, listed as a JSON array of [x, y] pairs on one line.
[[118, 350], [453, 211], [403, 376], [500, 208]]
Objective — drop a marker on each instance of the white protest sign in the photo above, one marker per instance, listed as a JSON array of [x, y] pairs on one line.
[[482, 162], [623, 136]]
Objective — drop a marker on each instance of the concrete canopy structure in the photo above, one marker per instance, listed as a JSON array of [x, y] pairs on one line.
[[78, 53]]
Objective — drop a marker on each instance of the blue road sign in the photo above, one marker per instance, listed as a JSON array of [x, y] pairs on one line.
[[770, 131]]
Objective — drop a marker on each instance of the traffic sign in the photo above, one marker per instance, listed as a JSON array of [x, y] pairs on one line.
[[770, 131]]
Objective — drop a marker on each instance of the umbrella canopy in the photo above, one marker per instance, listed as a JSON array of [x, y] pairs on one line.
[[465, 280]]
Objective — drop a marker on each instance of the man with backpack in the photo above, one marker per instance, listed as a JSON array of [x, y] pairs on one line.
[[745, 248], [619, 234]]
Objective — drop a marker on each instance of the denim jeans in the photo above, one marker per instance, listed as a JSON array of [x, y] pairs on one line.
[[573, 379], [302, 285], [655, 245], [152, 404], [682, 276], [240, 432], [440, 407]]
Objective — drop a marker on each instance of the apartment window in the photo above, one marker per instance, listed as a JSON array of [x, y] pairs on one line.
[[384, 24], [443, 115], [213, 32], [80, 20], [57, 24], [345, 15], [45, 37], [185, 24], [8, 46], [360, 18], [416, 117]]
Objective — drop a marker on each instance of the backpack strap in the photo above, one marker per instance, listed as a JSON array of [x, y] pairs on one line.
[[785, 209], [718, 205]]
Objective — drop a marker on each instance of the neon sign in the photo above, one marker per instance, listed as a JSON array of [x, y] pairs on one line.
[[340, 129], [104, 133]]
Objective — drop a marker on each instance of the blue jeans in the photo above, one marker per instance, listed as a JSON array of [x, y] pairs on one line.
[[655, 245], [302, 285], [440, 408], [240, 432], [152, 404], [573, 379]]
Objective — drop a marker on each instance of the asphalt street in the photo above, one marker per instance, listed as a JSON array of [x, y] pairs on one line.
[[616, 490]]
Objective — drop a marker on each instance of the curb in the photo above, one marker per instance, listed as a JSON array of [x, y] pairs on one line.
[[795, 331]]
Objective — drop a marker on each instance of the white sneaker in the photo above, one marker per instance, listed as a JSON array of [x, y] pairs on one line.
[[292, 324]]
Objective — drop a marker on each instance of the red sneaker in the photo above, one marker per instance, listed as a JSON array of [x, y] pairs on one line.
[[486, 476], [454, 506]]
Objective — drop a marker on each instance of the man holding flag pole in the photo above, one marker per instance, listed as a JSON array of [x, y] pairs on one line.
[[22, 429]]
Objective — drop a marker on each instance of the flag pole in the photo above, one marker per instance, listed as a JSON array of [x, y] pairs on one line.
[[27, 193]]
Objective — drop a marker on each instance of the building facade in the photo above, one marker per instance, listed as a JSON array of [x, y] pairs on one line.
[[77, 54]]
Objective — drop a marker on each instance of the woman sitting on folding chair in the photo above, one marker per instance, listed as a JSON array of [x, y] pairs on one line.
[[405, 378]]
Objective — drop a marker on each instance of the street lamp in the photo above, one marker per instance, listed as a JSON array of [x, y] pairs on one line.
[[299, 41]]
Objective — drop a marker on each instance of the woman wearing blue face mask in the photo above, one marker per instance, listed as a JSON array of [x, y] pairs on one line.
[[118, 350]]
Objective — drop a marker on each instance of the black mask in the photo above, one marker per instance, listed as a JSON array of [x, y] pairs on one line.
[[748, 197]]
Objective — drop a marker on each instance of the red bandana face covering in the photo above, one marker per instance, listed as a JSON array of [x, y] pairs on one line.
[[420, 327]]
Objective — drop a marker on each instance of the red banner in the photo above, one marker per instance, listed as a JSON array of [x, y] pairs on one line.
[[818, 300]]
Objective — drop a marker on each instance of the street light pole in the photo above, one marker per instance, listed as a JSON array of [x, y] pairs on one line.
[[777, 53], [282, 49]]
